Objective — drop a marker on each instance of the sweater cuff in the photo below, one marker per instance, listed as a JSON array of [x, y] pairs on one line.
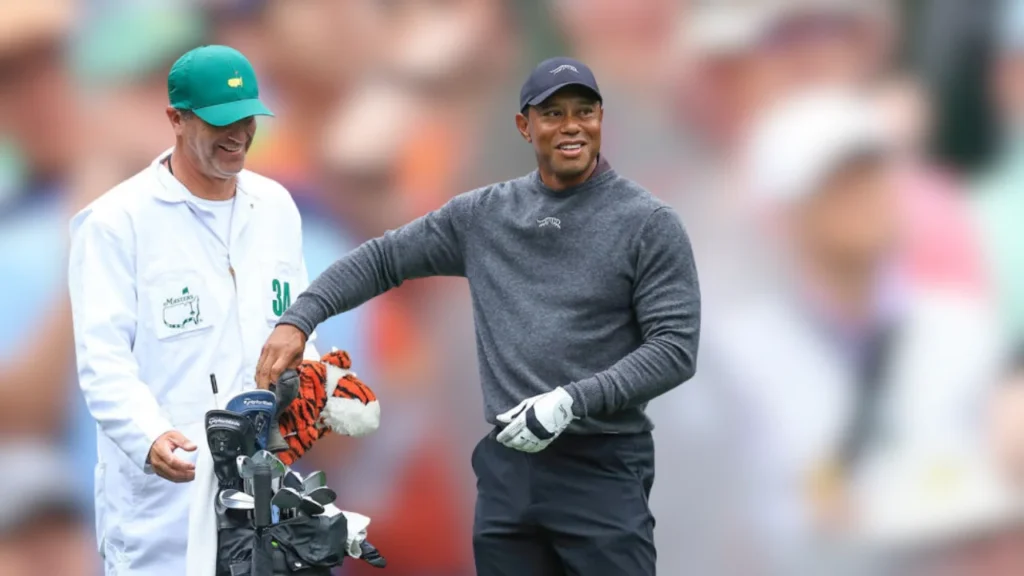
[[303, 314], [586, 397]]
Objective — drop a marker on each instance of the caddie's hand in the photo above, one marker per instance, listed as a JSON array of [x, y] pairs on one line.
[[283, 350], [168, 466], [537, 421]]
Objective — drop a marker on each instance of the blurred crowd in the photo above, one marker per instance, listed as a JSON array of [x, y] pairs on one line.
[[859, 400]]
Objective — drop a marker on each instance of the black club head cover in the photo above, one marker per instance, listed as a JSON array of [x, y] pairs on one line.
[[229, 436], [286, 389]]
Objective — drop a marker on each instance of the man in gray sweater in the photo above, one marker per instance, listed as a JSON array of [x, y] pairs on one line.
[[586, 305]]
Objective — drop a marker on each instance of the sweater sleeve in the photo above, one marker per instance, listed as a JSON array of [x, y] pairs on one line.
[[666, 300], [428, 246]]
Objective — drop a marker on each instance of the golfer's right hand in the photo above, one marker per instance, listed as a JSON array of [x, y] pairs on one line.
[[283, 350], [168, 466]]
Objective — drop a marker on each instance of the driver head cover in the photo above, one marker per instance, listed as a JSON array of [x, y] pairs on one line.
[[229, 436], [260, 407]]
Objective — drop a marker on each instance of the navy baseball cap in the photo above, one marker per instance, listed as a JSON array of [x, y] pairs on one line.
[[552, 75]]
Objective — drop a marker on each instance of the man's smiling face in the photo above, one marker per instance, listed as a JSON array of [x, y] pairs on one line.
[[565, 131]]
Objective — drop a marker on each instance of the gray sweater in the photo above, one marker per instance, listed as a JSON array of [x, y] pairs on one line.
[[592, 288]]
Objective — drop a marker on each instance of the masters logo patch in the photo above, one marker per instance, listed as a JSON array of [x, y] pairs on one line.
[[180, 311]]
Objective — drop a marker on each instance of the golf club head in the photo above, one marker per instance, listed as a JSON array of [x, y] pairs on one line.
[[293, 479], [235, 500], [310, 507], [285, 390], [370, 555], [287, 499], [322, 495], [277, 468], [313, 481], [245, 472], [259, 406], [229, 436], [245, 467]]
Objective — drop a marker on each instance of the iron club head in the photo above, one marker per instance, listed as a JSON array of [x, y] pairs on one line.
[[286, 499], [293, 480], [277, 468], [313, 481], [322, 495], [235, 500], [311, 507], [245, 467]]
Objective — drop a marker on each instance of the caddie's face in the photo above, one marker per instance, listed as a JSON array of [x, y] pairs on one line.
[[218, 151], [565, 131]]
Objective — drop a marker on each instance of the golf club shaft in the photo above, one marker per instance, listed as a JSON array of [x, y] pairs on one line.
[[213, 385]]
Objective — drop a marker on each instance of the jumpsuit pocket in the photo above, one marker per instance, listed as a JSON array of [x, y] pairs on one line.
[[180, 305]]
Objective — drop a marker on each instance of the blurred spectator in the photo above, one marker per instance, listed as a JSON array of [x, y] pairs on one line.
[[627, 44], [367, 139], [999, 198], [741, 55], [459, 59], [314, 53], [631, 48], [738, 58], [942, 246], [951, 47], [38, 106], [44, 527], [239, 24], [842, 359], [121, 58], [39, 114]]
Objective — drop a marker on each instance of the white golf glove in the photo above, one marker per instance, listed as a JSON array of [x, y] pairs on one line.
[[537, 421]]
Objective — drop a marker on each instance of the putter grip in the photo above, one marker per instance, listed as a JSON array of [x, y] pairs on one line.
[[261, 494]]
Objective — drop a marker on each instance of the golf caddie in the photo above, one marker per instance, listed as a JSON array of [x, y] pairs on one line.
[[177, 276]]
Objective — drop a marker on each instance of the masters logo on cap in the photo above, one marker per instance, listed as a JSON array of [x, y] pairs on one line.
[[217, 83]]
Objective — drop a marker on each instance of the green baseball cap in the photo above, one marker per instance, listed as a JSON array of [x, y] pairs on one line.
[[217, 83]]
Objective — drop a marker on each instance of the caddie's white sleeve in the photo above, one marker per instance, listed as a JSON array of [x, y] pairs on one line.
[[101, 278], [311, 352]]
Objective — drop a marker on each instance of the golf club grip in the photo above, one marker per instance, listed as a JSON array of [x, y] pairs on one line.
[[261, 494]]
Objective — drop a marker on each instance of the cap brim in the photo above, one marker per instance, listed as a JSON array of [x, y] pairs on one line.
[[231, 112], [550, 91]]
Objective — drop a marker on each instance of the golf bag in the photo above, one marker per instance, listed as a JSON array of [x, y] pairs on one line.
[[300, 546], [271, 521]]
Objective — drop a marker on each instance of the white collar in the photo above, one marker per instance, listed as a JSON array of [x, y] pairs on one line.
[[172, 190]]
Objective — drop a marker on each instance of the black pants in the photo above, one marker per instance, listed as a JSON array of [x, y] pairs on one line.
[[577, 508]]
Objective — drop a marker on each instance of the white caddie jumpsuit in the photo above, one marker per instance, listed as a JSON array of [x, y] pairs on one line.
[[160, 304]]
